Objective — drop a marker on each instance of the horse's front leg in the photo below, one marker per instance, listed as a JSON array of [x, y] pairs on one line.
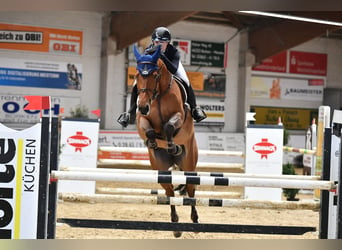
[[191, 193], [169, 128], [174, 216], [149, 133]]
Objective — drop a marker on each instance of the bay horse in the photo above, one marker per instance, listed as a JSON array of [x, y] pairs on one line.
[[165, 123]]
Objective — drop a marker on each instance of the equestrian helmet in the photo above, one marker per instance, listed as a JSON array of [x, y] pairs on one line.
[[161, 34]]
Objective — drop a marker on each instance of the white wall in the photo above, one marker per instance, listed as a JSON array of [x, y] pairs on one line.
[[104, 78], [87, 22]]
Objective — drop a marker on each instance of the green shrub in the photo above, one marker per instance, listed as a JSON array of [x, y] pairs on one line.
[[79, 112], [289, 193]]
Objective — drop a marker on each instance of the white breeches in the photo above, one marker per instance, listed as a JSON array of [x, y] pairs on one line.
[[182, 74]]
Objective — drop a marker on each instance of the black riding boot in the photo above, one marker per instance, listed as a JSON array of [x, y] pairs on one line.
[[196, 111], [129, 116]]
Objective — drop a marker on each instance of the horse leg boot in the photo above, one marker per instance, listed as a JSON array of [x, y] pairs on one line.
[[151, 139], [150, 135], [174, 216], [169, 129]]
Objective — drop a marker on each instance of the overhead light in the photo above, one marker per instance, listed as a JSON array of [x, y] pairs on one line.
[[297, 18]]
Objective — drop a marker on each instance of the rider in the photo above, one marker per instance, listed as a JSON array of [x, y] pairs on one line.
[[171, 57]]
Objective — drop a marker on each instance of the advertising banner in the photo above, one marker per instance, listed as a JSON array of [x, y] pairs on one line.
[[40, 74], [78, 146], [287, 88], [205, 141], [334, 176], [292, 118], [264, 155], [19, 182], [208, 54], [214, 110], [184, 48], [308, 63], [12, 109], [40, 39], [276, 63]]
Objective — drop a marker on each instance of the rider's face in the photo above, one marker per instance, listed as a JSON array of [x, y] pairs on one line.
[[162, 43]]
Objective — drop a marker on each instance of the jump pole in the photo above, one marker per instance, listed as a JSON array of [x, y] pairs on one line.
[[186, 227], [187, 201], [144, 150], [299, 150], [188, 173], [105, 163], [147, 191], [197, 180]]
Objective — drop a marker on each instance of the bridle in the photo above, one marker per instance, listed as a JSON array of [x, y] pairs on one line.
[[157, 77]]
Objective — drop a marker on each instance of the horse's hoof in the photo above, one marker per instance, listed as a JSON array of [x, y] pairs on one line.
[[174, 167], [177, 234]]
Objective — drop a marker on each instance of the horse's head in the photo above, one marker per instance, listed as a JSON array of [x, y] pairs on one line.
[[147, 79]]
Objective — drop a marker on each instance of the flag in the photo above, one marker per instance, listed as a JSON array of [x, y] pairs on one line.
[[37, 102], [96, 112]]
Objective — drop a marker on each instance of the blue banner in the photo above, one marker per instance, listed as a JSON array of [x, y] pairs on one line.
[[20, 73]]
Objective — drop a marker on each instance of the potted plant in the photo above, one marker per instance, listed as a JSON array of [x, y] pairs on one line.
[[289, 193]]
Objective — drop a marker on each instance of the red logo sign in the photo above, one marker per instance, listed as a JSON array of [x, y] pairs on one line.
[[264, 148], [276, 63], [79, 141], [308, 63]]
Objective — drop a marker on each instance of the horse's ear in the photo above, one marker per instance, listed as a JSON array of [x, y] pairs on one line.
[[156, 54], [136, 52]]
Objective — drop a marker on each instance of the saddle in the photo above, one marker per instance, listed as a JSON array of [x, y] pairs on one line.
[[181, 83]]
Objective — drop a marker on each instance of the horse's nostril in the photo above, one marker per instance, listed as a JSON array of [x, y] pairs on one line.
[[144, 110]]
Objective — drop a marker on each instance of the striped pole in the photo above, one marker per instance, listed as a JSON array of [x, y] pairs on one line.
[[145, 191], [144, 150], [196, 180], [188, 173], [299, 150], [187, 201], [146, 164]]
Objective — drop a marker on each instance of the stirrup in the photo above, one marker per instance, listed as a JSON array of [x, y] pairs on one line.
[[198, 114], [123, 119]]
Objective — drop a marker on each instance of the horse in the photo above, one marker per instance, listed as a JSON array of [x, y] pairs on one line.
[[165, 123]]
